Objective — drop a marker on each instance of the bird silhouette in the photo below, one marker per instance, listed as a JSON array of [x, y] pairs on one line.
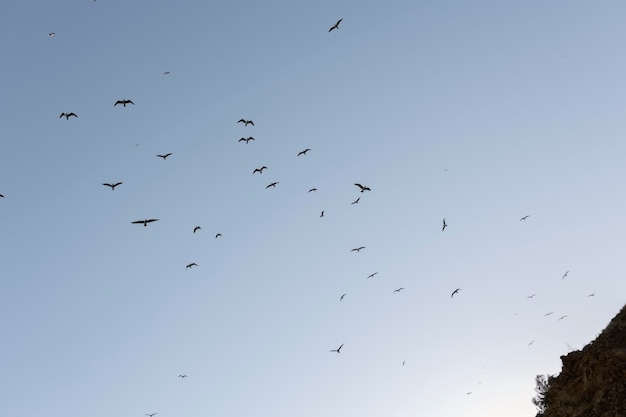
[[166, 73], [356, 201], [362, 187], [591, 295], [531, 342], [248, 139], [322, 214], [123, 102], [145, 222], [454, 292], [562, 317], [525, 217], [51, 34], [531, 296], [246, 122], [313, 189], [1, 195], [444, 224], [548, 314], [151, 415], [372, 275], [335, 26], [182, 376], [67, 115], [273, 184], [565, 274], [164, 156], [112, 185], [190, 265], [399, 289], [195, 229], [338, 350], [218, 235], [303, 152], [358, 249], [259, 170], [342, 296]]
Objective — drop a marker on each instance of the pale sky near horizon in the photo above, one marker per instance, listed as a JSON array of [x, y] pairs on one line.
[[477, 112]]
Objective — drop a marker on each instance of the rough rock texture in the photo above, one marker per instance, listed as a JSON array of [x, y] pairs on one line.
[[592, 382]]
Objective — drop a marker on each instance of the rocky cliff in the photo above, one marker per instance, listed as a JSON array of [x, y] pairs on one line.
[[592, 382]]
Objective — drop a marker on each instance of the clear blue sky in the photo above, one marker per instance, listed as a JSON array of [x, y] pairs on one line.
[[477, 112]]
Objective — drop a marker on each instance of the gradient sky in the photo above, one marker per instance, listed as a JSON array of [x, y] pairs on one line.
[[481, 112]]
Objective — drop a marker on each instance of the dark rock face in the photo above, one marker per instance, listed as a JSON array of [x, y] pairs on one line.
[[592, 382]]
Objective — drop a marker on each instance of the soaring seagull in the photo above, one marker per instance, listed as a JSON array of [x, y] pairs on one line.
[[303, 152], [313, 189], [151, 415], [218, 235], [259, 170], [531, 296], [273, 184], [444, 224], [145, 222], [182, 376], [112, 185], [342, 296], [362, 187], [248, 139], [358, 249], [455, 292], [525, 217], [67, 115], [123, 102], [399, 289], [565, 274], [322, 214], [356, 201], [246, 122], [164, 156], [372, 275], [195, 229], [338, 350], [335, 26], [190, 265]]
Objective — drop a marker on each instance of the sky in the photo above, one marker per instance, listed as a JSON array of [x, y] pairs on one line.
[[478, 112]]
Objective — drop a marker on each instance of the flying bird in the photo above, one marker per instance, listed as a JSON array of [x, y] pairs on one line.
[[322, 214], [335, 26], [531, 342], [166, 73], [313, 189], [342, 296], [338, 350], [246, 122], [525, 217], [123, 102], [67, 115], [190, 265], [372, 275], [565, 274], [455, 292], [164, 156], [590, 295], [444, 224], [151, 415], [272, 185], [362, 187], [248, 139], [182, 376], [112, 185], [356, 201], [259, 170], [303, 152], [145, 222], [548, 314], [562, 317], [531, 296], [218, 235], [399, 289], [51, 34], [195, 229], [357, 249], [1, 196]]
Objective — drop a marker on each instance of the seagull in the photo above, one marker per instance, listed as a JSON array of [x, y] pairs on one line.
[[322, 214], [51, 34], [531, 296], [195, 229], [468, 393], [246, 122], [372, 275], [335, 26], [272, 185], [182, 376], [190, 265], [145, 222], [362, 187], [112, 185], [357, 249], [123, 102], [67, 115], [525, 217], [338, 350], [399, 289], [592, 294], [218, 235], [356, 201], [166, 73], [1, 196], [444, 224], [531, 342], [561, 318], [342, 296], [259, 170], [313, 189], [164, 156], [248, 139], [548, 314], [403, 362], [151, 415], [565, 274], [303, 152], [455, 292]]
